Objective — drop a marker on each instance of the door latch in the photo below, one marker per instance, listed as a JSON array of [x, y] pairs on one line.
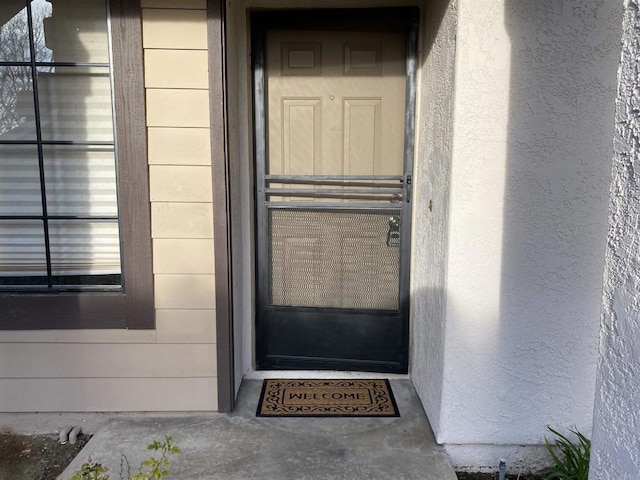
[[407, 187], [393, 235]]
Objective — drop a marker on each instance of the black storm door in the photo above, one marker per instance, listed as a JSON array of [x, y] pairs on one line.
[[334, 125]]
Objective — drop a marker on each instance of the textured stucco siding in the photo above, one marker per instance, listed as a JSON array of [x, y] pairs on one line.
[[434, 132], [616, 435], [174, 366], [533, 121]]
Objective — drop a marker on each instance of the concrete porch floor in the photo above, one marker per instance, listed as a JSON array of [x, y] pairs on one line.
[[241, 446]]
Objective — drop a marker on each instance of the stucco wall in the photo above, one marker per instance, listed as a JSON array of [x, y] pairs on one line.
[[432, 168], [616, 448], [534, 97], [174, 366]]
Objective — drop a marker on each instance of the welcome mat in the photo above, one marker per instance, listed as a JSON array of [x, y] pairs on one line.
[[327, 398]]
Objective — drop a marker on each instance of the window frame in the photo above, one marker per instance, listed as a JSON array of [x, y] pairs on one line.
[[133, 306]]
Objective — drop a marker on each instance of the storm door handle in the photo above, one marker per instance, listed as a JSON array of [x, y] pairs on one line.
[[407, 187]]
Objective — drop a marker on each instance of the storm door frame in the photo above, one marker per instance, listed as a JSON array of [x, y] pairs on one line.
[[408, 17]]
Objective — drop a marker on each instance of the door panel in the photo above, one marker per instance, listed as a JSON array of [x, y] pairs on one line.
[[331, 180], [362, 136], [356, 91]]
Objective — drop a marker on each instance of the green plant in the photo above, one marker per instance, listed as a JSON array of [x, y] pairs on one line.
[[573, 461], [91, 471], [157, 468], [150, 469]]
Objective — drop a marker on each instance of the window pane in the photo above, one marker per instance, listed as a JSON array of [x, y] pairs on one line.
[[40, 10], [14, 32], [19, 180], [80, 180], [22, 253], [78, 34], [75, 104], [81, 250], [17, 115]]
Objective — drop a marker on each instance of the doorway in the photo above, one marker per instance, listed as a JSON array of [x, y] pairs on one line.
[[334, 100]]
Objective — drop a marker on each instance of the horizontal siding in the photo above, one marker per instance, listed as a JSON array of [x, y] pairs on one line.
[[176, 69], [76, 360], [186, 326], [185, 291], [170, 183], [108, 394], [174, 29], [78, 336], [168, 107], [181, 220], [183, 255], [180, 177], [179, 146]]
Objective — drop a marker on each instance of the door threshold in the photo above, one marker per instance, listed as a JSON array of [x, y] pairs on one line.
[[321, 374]]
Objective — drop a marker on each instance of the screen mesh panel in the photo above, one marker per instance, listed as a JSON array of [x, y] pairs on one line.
[[334, 259]]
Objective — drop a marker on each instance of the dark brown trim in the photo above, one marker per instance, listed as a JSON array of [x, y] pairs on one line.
[[133, 308], [368, 18], [133, 180], [38, 312], [221, 204]]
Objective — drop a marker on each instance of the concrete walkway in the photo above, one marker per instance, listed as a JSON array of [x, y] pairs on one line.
[[243, 447]]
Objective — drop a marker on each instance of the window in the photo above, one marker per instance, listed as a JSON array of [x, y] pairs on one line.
[[74, 204]]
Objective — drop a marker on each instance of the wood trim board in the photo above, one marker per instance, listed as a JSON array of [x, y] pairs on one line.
[[221, 205]]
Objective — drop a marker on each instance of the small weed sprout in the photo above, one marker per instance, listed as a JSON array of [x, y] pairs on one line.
[[157, 468], [150, 469], [573, 461], [91, 471]]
